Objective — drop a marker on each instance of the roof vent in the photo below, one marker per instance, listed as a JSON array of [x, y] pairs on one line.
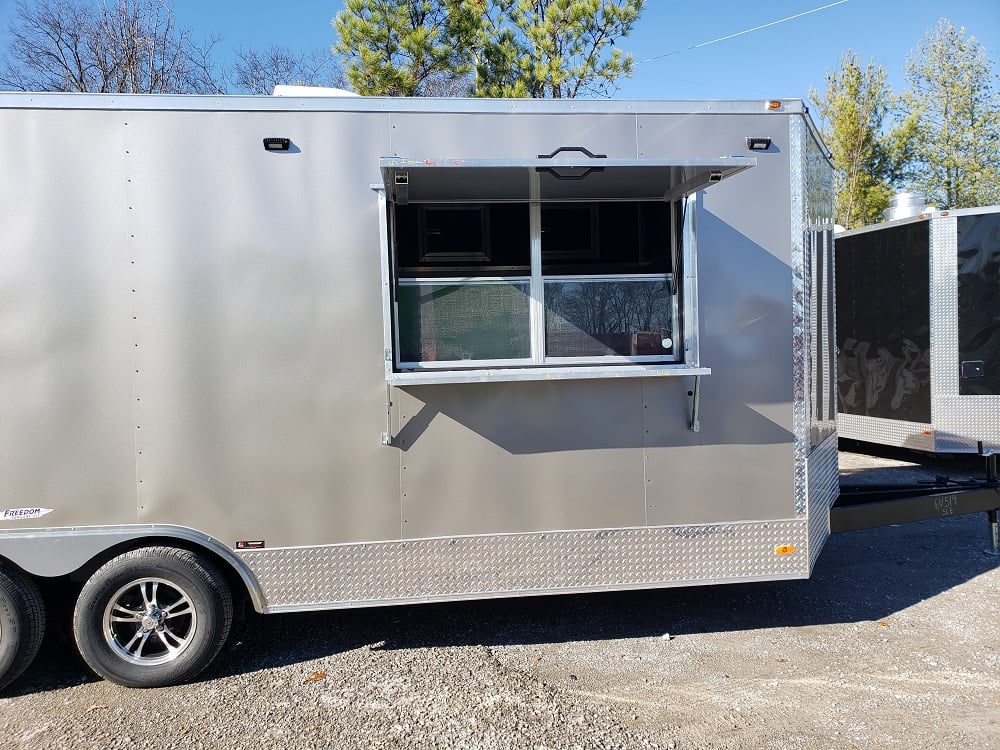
[[905, 204]]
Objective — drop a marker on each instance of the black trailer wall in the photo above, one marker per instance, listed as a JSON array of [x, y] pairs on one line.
[[979, 304], [883, 323]]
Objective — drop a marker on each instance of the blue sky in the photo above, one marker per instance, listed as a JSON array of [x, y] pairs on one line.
[[779, 61]]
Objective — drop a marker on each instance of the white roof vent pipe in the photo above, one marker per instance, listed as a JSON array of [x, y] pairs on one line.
[[905, 204]]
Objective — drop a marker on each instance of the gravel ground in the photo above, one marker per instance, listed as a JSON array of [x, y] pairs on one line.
[[894, 643]]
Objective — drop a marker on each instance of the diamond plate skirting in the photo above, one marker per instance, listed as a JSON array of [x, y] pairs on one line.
[[823, 471], [933, 438], [962, 422], [897, 432], [473, 567]]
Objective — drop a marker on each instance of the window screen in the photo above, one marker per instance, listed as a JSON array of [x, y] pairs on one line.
[[458, 322]]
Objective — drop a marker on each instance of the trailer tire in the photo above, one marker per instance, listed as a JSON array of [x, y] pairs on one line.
[[22, 623], [153, 617]]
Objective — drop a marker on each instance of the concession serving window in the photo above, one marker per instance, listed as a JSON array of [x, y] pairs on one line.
[[546, 268]]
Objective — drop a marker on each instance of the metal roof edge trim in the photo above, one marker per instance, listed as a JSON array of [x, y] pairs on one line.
[[239, 103]]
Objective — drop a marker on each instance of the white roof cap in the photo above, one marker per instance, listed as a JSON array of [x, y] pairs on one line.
[[289, 90]]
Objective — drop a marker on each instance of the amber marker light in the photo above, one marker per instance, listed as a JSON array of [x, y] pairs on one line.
[[784, 549], [772, 104]]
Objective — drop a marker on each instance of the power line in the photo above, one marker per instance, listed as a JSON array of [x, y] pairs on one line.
[[741, 33]]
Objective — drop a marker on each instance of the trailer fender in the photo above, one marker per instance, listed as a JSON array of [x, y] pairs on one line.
[[62, 551]]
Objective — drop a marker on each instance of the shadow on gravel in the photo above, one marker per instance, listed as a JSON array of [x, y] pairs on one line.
[[862, 575]]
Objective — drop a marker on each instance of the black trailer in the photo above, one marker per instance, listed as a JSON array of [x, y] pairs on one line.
[[918, 332]]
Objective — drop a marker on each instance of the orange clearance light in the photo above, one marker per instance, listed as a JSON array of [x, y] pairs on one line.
[[773, 104], [784, 549]]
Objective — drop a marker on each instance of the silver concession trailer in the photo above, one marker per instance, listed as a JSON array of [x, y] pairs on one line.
[[325, 353], [918, 332]]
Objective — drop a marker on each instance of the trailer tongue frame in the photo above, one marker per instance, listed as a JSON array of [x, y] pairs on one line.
[[868, 506]]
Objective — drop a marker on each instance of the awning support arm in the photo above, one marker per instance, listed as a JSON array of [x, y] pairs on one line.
[[695, 424], [387, 435]]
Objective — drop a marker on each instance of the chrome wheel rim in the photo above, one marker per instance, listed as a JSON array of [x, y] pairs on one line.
[[150, 621]]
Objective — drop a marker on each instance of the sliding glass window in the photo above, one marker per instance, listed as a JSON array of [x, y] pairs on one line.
[[528, 269], [607, 272], [465, 284]]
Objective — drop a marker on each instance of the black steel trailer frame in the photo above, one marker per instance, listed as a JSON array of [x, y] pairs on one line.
[[867, 506]]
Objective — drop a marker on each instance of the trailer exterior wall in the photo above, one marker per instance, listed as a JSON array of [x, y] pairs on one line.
[[65, 352], [237, 380]]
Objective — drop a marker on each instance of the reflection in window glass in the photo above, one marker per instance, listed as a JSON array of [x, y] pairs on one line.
[[605, 238], [456, 233], [569, 231], [455, 321], [460, 241], [621, 317]]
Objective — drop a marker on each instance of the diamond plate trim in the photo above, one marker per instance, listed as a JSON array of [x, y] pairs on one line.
[[824, 487], [985, 421], [801, 340], [963, 421], [469, 567], [811, 226], [944, 309], [902, 434]]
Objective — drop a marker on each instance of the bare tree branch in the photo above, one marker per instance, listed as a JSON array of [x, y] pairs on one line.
[[258, 72], [130, 46]]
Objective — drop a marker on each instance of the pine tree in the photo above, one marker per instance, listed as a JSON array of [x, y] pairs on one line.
[[398, 47], [852, 112], [514, 48], [953, 98], [554, 48]]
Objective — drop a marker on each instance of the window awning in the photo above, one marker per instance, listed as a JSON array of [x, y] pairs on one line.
[[576, 177]]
